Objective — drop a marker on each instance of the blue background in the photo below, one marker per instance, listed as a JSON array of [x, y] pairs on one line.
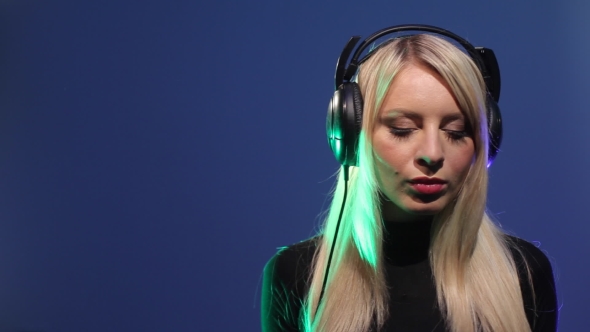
[[153, 155]]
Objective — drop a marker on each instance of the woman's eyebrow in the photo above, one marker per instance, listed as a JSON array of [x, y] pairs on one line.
[[401, 113], [454, 117]]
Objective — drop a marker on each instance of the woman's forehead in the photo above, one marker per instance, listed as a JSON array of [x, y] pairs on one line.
[[418, 91]]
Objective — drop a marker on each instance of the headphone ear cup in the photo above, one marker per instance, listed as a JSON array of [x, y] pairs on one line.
[[343, 125], [494, 128]]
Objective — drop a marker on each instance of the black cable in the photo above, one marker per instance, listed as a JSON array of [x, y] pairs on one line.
[[345, 170]]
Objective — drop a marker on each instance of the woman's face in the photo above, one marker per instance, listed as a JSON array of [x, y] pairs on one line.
[[422, 144]]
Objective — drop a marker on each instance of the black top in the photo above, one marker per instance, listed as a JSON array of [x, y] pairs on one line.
[[412, 302]]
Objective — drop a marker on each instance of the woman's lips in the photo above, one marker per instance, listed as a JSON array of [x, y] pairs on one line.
[[428, 186]]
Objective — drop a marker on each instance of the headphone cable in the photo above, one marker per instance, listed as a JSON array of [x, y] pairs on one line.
[[345, 170]]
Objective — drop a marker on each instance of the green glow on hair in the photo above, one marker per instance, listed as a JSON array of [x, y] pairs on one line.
[[361, 225], [364, 212], [360, 222], [363, 208]]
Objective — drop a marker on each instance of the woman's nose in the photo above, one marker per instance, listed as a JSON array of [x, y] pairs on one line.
[[430, 152]]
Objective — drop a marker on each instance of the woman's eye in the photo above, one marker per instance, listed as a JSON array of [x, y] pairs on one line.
[[401, 132], [456, 135]]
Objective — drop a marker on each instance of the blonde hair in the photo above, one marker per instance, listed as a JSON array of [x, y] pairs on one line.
[[475, 275]]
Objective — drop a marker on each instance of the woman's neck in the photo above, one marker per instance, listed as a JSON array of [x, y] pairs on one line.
[[406, 236]]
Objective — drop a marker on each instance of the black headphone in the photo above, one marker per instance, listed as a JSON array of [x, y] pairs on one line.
[[345, 111]]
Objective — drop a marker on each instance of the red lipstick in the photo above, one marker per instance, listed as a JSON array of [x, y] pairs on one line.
[[428, 186]]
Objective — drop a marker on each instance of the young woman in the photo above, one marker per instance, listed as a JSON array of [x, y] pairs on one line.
[[407, 244]]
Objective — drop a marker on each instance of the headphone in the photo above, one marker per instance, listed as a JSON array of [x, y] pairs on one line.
[[345, 111]]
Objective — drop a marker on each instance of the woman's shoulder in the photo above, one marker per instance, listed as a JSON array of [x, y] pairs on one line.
[[537, 284], [292, 263], [285, 285], [527, 254]]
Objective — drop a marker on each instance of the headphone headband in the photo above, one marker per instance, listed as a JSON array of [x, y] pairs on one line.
[[484, 58]]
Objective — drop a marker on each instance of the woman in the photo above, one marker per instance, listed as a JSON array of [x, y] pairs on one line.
[[413, 249]]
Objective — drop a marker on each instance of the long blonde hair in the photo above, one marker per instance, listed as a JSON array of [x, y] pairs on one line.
[[475, 275]]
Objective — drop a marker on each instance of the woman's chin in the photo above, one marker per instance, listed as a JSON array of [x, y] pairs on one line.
[[425, 209]]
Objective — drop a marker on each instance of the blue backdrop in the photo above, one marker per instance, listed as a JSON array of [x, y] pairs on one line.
[[153, 155]]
